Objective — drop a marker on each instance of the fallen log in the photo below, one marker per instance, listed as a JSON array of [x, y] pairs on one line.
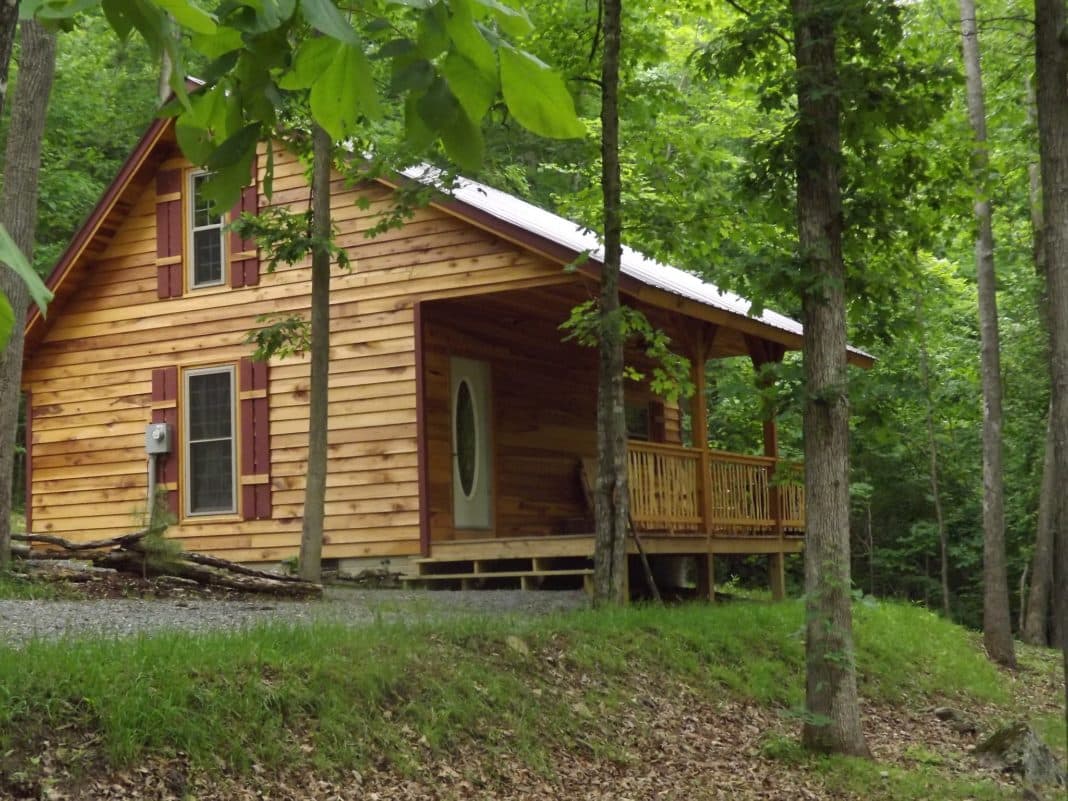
[[135, 561], [129, 554], [122, 541], [235, 567]]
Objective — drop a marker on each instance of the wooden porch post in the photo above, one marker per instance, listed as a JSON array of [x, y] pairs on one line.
[[706, 587], [763, 352]]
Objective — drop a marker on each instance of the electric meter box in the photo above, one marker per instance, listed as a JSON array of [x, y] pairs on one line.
[[157, 438]]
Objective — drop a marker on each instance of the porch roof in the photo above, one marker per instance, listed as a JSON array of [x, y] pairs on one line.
[[577, 240]]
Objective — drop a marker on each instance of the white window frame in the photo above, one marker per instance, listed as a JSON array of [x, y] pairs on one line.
[[188, 441], [193, 229]]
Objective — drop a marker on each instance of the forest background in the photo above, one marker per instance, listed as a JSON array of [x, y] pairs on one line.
[[707, 186]]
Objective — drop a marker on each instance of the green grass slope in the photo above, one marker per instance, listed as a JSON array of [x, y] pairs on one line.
[[390, 697]]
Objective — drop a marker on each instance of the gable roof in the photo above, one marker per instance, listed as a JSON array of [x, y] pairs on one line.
[[483, 205]]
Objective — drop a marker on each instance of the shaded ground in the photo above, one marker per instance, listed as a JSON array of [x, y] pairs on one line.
[[665, 742]]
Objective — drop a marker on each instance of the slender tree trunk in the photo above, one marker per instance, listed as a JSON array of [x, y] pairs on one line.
[[1036, 627], [311, 540], [612, 496], [932, 447], [9, 20], [997, 622], [18, 213], [833, 724], [1051, 71]]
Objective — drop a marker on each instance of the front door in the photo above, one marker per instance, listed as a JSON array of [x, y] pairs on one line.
[[472, 468]]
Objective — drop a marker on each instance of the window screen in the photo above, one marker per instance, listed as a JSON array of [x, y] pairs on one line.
[[207, 234], [210, 441]]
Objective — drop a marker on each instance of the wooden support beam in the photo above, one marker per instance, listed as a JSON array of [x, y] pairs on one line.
[[706, 577], [777, 576]]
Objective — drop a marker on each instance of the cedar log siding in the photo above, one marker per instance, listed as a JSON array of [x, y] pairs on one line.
[[91, 375]]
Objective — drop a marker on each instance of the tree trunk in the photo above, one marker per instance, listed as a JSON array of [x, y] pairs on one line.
[[932, 446], [833, 720], [311, 540], [1051, 71], [612, 496], [1036, 627], [1036, 615], [18, 213], [9, 20], [997, 622]]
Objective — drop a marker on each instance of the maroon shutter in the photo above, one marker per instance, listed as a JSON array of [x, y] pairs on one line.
[[255, 441], [244, 260], [169, 233], [657, 422], [165, 410]]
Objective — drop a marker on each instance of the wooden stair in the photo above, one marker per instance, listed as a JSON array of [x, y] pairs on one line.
[[526, 573]]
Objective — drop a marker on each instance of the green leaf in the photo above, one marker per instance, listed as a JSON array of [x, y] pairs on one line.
[[194, 141], [537, 96], [115, 12], [325, 18], [469, 41], [311, 61], [14, 258], [343, 92], [463, 142], [513, 21], [231, 174], [224, 40], [474, 88], [416, 133], [7, 321], [189, 16]]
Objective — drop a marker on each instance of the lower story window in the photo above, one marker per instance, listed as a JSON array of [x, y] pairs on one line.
[[210, 451]]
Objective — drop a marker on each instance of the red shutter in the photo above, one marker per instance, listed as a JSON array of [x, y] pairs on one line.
[[657, 422], [165, 410], [244, 260], [255, 441], [169, 233]]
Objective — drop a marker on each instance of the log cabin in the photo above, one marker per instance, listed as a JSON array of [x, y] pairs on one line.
[[462, 423]]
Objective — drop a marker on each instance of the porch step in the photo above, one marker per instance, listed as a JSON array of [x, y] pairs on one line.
[[524, 573]]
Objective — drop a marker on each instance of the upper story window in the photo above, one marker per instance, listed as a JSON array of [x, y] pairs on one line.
[[210, 457], [207, 238]]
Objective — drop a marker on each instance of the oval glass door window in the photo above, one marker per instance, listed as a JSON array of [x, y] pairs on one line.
[[466, 439]]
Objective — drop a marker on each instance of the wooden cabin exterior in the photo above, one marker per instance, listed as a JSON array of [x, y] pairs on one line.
[[459, 418]]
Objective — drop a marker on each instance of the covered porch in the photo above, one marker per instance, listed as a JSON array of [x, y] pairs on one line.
[[531, 453]]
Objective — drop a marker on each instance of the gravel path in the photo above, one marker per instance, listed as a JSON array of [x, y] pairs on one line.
[[25, 620]]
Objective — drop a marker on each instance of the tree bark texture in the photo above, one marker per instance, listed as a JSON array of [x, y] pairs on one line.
[[311, 539], [18, 213], [612, 497], [932, 447], [9, 20], [833, 715], [1037, 619], [997, 621], [1051, 72], [1036, 627]]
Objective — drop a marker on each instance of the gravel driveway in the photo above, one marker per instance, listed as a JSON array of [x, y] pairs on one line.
[[25, 620]]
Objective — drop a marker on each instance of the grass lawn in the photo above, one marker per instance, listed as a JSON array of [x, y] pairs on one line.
[[395, 698]]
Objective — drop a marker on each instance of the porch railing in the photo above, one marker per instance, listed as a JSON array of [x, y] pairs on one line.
[[678, 489]]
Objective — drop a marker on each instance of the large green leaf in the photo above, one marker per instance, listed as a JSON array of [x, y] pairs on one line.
[[513, 21], [324, 16], [311, 61], [474, 88], [344, 92], [537, 96], [7, 321], [189, 15], [14, 258]]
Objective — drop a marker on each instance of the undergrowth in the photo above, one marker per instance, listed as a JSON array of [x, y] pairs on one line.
[[330, 696]]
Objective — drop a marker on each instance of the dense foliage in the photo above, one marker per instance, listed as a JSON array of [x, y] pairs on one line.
[[706, 113]]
